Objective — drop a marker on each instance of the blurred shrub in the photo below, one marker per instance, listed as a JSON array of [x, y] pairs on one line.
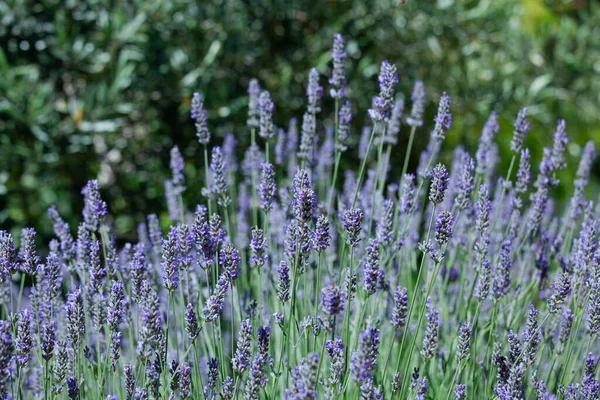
[[101, 88]]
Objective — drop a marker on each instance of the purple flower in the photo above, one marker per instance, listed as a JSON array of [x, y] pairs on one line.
[[75, 317], [486, 141], [229, 259], [385, 224], [281, 154], [169, 261], [588, 156], [304, 201], [314, 91], [531, 336], [464, 341], [283, 282], [115, 311], [590, 387], [443, 227], [559, 146], [185, 373], [141, 394], [256, 379], [177, 164], [267, 188], [23, 338], [191, 322], [523, 178], [266, 130], [94, 209], [206, 243], [439, 184], [592, 322], [263, 336], [338, 76], [482, 208], [304, 379], [460, 392], [430, 339], [307, 137], [418, 106], [422, 388], [344, 121], [352, 225], [258, 248], [214, 304], [241, 360], [502, 280], [48, 335], [382, 104], [292, 137], [220, 187], [129, 381], [198, 114], [465, 183], [407, 195], [371, 267], [62, 231], [332, 299], [253, 107], [335, 349], [521, 129], [213, 373], [228, 389], [72, 388], [400, 310], [115, 350], [27, 253], [322, 235], [443, 119], [364, 358], [561, 289]]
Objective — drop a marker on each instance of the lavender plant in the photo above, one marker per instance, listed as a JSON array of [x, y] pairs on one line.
[[448, 283]]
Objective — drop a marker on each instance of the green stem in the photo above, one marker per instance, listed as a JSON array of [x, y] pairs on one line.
[[413, 301], [363, 164]]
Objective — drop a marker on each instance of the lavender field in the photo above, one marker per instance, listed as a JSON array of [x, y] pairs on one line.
[[454, 281]]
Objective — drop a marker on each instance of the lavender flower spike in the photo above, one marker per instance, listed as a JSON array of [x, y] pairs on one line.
[[215, 302], [266, 130], [241, 360], [521, 129], [218, 167], [27, 253], [364, 358], [338, 76], [371, 269], [332, 299], [430, 340], [418, 107], [283, 283], [267, 187], [198, 114], [443, 119], [400, 310], [314, 91], [352, 225], [94, 209], [344, 120], [439, 184], [382, 104], [177, 164], [23, 339], [253, 94]]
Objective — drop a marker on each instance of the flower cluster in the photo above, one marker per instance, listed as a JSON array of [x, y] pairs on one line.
[[294, 278]]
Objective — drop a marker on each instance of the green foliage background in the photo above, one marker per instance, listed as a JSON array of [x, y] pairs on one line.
[[101, 88]]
